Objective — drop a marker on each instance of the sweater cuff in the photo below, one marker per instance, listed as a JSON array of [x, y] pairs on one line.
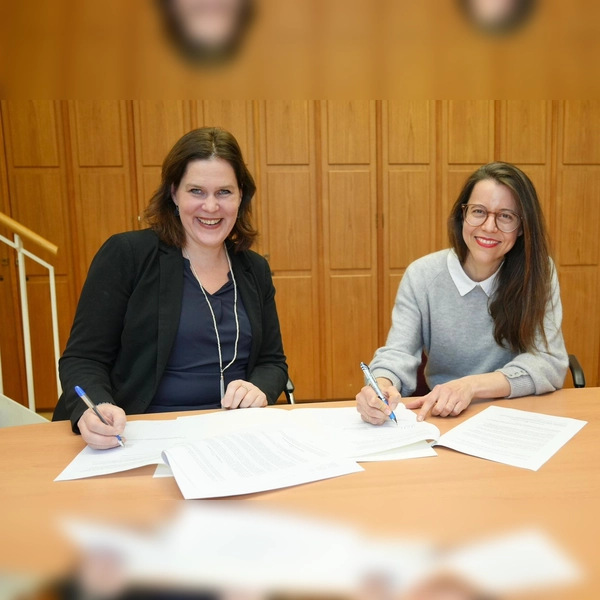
[[521, 383], [388, 375]]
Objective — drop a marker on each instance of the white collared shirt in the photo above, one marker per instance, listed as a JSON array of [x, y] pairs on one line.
[[464, 284]]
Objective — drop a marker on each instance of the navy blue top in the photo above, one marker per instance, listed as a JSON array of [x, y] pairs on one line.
[[192, 379]]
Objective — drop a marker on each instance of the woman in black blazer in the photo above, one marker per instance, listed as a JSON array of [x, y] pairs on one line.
[[181, 315]]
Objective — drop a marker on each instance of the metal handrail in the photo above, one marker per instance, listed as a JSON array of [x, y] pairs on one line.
[[20, 230]]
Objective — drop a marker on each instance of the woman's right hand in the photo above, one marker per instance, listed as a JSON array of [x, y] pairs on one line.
[[95, 433], [371, 408]]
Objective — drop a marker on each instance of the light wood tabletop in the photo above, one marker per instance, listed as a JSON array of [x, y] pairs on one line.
[[451, 498]]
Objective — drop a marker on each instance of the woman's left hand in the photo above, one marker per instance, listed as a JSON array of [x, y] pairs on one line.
[[243, 394], [444, 400], [453, 397]]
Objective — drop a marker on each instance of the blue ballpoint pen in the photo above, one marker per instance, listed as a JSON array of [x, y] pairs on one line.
[[91, 405], [376, 388]]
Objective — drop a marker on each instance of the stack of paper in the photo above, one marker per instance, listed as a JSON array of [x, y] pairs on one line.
[[245, 451], [241, 452]]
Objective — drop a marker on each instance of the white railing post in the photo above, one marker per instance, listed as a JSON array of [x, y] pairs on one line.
[[25, 321], [54, 310], [17, 245]]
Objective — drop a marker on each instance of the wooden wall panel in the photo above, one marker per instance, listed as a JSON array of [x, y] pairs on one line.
[[286, 214], [109, 212], [409, 132], [160, 123], [349, 193], [38, 196], [411, 217], [37, 179], [525, 139], [456, 179], [351, 216], [577, 216], [11, 337], [149, 185], [470, 131], [290, 221], [581, 128], [104, 182], [525, 132], [231, 115], [44, 373], [581, 322], [299, 329], [98, 130], [349, 188], [349, 132], [33, 133], [287, 132], [352, 314], [578, 209], [540, 176], [409, 222], [11, 345]]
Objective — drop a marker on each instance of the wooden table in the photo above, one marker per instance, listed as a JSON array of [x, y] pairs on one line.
[[451, 499]]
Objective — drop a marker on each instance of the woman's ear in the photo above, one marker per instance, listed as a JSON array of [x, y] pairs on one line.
[[173, 193]]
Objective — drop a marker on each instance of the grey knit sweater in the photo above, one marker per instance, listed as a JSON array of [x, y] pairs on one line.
[[456, 333]]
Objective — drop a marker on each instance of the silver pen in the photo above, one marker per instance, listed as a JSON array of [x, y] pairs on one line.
[[376, 388]]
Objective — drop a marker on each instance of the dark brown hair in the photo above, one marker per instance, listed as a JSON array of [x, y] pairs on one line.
[[201, 144], [523, 289]]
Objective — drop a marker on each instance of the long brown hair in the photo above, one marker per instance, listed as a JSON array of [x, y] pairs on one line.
[[523, 287], [201, 144]]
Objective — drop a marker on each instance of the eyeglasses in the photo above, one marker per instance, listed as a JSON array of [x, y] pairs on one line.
[[476, 214]]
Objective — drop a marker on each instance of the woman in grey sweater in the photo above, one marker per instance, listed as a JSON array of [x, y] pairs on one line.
[[486, 312]]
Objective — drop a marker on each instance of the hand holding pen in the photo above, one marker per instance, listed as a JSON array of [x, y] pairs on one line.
[[101, 426], [373, 401]]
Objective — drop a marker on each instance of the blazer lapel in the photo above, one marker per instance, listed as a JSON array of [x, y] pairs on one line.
[[169, 303], [249, 292]]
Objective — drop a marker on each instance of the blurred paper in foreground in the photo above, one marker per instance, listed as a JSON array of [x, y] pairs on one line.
[[232, 546]]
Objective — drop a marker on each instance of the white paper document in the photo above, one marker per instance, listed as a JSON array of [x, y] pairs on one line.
[[251, 461], [340, 430], [510, 436], [349, 436], [145, 442], [416, 450]]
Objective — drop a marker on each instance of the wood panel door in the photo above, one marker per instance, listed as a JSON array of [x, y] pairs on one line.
[[158, 124], [349, 212], [104, 183], [577, 218], [11, 339], [38, 189], [289, 230], [411, 217]]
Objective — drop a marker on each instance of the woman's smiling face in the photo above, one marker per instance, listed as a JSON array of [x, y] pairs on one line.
[[487, 245], [208, 197]]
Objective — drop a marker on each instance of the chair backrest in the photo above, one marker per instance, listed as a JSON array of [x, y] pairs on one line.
[[422, 387], [12, 413]]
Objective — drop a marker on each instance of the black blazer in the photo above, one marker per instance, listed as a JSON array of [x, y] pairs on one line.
[[127, 319]]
